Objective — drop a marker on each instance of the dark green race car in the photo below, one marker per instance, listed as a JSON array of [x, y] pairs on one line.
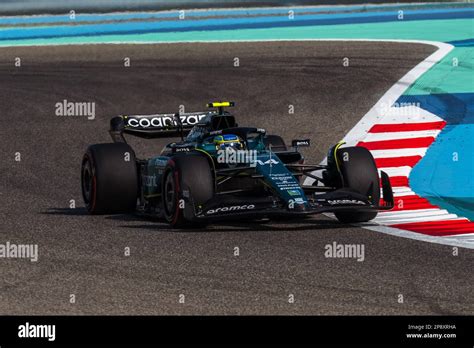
[[222, 171]]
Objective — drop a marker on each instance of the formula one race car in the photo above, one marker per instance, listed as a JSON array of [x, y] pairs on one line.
[[220, 171]]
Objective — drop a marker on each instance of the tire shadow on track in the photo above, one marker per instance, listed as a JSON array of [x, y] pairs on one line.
[[158, 225]]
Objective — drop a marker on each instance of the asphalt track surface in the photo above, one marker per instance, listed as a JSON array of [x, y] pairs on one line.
[[84, 255]]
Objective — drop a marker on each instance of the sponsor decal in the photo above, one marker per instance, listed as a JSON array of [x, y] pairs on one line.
[[149, 180], [304, 142], [295, 201], [160, 162], [230, 209], [163, 121], [285, 181], [182, 149], [270, 162], [294, 192], [345, 201]]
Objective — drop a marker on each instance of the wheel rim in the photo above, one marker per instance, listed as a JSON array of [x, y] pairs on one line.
[[169, 194]]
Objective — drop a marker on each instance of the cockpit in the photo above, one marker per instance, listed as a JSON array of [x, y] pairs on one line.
[[211, 123]]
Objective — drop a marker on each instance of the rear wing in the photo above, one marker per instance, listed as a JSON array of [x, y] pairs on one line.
[[165, 125], [155, 126]]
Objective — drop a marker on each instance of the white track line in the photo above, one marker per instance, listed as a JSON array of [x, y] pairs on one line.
[[398, 152], [400, 191], [397, 171], [462, 241], [437, 215], [401, 135], [410, 213]]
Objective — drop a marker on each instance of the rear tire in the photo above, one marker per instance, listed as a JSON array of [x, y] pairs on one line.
[[359, 173], [187, 184], [109, 179]]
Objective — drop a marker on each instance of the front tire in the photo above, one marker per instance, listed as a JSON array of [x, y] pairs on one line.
[[109, 179], [187, 184], [359, 173]]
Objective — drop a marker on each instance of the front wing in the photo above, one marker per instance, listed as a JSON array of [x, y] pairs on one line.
[[341, 200]]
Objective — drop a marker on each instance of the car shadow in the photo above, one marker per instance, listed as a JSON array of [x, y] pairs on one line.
[[135, 221], [66, 211], [158, 225]]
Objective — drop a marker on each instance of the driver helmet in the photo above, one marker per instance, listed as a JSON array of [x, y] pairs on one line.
[[226, 141]]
